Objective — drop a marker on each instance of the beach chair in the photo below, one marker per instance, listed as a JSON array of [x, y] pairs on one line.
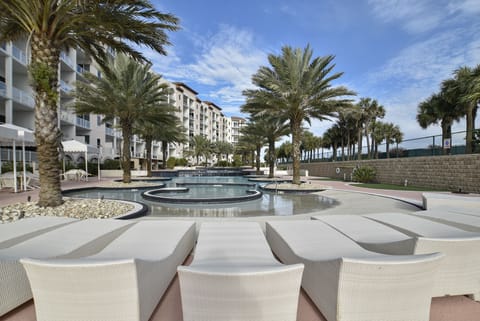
[[347, 282], [234, 276], [459, 273], [124, 281], [465, 222], [26, 228], [73, 240]]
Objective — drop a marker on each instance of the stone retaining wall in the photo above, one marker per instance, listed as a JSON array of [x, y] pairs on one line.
[[440, 172]]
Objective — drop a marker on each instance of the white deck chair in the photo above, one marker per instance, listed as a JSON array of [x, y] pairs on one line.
[[24, 229], [465, 222], [234, 276], [347, 282], [73, 240], [459, 272], [124, 281]]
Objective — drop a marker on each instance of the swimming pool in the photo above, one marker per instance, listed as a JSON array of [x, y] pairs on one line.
[[268, 204]]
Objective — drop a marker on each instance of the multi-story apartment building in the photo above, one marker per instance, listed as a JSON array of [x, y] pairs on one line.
[[17, 107]]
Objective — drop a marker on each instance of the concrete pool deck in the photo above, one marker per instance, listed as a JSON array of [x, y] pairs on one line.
[[352, 200]]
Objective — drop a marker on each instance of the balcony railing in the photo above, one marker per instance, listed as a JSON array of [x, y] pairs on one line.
[[64, 86], [3, 45], [19, 54], [81, 122], [3, 89], [67, 117], [23, 97], [109, 131], [66, 59]]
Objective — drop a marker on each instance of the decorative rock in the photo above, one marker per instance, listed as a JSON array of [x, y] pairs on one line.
[[76, 208]]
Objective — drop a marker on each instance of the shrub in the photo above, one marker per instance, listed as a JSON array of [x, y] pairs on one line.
[[237, 161], [364, 174], [222, 163], [8, 167], [171, 162], [110, 164], [181, 162]]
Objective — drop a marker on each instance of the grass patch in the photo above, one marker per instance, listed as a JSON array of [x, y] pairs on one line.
[[397, 187]]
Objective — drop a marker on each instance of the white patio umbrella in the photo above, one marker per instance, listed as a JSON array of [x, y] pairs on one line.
[[13, 134]]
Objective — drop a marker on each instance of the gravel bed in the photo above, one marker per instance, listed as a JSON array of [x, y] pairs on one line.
[[75, 208]]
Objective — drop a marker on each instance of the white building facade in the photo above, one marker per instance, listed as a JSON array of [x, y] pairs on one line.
[[17, 107]]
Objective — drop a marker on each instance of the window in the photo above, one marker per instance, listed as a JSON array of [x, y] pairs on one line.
[[99, 120], [99, 142]]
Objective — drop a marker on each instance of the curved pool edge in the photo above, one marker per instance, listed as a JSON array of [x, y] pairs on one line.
[[251, 195]]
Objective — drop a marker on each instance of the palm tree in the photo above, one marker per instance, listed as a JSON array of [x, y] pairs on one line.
[[284, 151], [171, 134], [461, 91], [223, 148], [254, 135], [150, 130], [91, 26], [296, 88], [273, 130], [436, 109], [392, 134], [332, 138], [199, 146], [373, 110], [130, 92]]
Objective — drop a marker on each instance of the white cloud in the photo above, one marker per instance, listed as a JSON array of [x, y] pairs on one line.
[[417, 16], [224, 62]]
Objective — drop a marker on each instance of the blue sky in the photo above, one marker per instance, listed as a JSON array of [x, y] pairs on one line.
[[395, 51]]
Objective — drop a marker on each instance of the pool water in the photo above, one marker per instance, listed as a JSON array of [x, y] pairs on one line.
[[269, 204]]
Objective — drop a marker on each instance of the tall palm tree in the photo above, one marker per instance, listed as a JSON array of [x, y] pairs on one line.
[[436, 109], [130, 92], [199, 146], [254, 134], [171, 134], [284, 151], [332, 138], [296, 88], [152, 129], [91, 26], [273, 130], [373, 110], [391, 134], [223, 148], [461, 91]]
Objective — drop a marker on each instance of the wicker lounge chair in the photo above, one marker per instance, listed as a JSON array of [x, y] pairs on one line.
[[347, 282], [459, 272], [234, 276], [24, 229], [124, 281], [465, 222], [73, 240]]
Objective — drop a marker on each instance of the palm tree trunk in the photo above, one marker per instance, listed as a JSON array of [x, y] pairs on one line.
[[127, 135], [469, 137], [164, 154], [257, 159], [388, 149], [296, 141], [367, 136], [359, 143], [44, 73], [148, 145], [271, 158]]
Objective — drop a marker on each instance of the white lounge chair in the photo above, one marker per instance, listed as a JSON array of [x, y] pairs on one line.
[[21, 230], [465, 222], [124, 281], [459, 272], [234, 276], [347, 282], [73, 240]]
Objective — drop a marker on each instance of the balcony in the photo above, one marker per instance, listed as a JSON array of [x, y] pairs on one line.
[[64, 86], [67, 117], [81, 122], [22, 97], [109, 131], [19, 54], [66, 59], [3, 89]]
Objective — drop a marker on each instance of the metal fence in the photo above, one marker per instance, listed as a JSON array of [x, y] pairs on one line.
[[413, 147]]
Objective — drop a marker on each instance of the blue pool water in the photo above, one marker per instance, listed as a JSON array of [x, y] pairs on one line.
[[268, 204]]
